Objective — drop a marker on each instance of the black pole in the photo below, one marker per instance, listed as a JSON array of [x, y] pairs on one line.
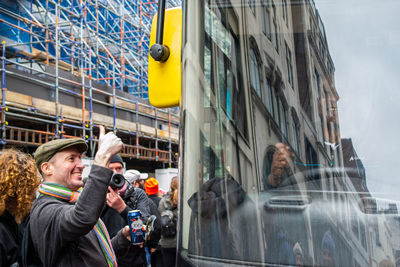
[[158, 51], [160, 22]]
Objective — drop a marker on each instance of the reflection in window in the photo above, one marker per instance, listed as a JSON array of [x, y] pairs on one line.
[[252, 4], [266, 19], [282, 122], [268, 96], [222, 52], [289, 65], [275, 105], [254, 69], [267, 164], [317, 80], [295, 134], [207, 75], [312, 164], [275, 40], [284, 11]]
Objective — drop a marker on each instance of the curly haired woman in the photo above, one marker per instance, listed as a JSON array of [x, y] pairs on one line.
[[19, 179]]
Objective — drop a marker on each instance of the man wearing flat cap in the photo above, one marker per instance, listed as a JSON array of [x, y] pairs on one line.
[[66, 230]]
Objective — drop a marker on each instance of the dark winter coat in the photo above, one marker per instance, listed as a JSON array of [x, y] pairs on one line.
[[156, 199], [166, 204], [10, 240], [135, 199], [62, 233]]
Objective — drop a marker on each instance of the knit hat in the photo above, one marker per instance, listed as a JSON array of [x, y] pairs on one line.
[[116, 158], [46, 151], [151, 186]]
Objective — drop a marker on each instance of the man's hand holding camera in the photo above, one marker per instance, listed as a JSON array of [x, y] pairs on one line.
[[114, 200]]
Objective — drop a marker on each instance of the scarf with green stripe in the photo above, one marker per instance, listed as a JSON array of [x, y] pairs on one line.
[[61, 192]]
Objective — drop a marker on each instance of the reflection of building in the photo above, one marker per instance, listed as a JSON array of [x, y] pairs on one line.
[[380, 220], [294, 101], [353, 166], [69, 66]]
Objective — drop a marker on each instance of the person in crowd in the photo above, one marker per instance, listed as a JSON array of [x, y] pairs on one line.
[[64, 224], [151, 187], [328, 250], [19, 179], [136, 178], [386, 263], [132, 175], [281, 160], [169, 204], [299, 255], [119, 202]]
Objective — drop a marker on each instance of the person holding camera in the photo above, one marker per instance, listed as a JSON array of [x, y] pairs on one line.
[[66, 230], [122, 198]]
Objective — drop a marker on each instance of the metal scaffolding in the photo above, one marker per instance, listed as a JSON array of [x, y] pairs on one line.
[[96, 42], [104, 40]]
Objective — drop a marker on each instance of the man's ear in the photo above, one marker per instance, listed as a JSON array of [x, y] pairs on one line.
[[47, 168]]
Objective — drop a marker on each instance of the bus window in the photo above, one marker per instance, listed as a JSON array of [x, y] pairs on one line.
[[270, 173]]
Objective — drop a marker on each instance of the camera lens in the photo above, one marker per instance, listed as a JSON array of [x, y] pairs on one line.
[[117, 181]]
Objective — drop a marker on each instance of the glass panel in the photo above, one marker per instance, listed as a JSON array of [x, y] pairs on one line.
[[289, 158]]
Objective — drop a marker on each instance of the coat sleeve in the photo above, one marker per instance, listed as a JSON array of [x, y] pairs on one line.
[[63, 223], [120, 244]]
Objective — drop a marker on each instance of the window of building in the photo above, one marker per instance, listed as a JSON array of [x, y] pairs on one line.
[[295, 133], [254, 72], [282, 112], [312, 164], [252, 4], [289, 65], [275, 39], [284, 11], [268, 97], [317, 81], [266, 19], [275, 105]]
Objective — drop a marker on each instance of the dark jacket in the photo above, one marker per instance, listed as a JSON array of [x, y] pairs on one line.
[[10, 239], [166, 204], [62, 233], [156, 235], [135, 199], [231, 238], [156, 199]]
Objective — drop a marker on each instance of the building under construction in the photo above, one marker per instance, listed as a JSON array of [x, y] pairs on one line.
[[70, 65]]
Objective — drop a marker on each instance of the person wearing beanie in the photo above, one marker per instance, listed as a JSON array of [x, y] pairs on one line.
[[151, 187], [119, 202], [116, 164]]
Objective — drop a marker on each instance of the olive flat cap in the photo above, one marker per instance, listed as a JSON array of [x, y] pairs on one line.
[[46, 151]]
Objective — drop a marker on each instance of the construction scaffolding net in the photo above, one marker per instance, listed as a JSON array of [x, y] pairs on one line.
[[106, 40], [69, 65]]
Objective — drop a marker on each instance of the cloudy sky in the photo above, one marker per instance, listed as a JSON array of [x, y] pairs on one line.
[[364, 42]]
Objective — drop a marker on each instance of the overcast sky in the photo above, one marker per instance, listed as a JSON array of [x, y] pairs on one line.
[[364, 42]]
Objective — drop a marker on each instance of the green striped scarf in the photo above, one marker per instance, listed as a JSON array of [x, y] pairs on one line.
[[61, 192]]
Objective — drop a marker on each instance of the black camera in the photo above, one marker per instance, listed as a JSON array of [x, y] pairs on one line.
[[117, 181]]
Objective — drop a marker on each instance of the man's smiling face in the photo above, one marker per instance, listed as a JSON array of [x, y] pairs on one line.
[[67, 168]]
